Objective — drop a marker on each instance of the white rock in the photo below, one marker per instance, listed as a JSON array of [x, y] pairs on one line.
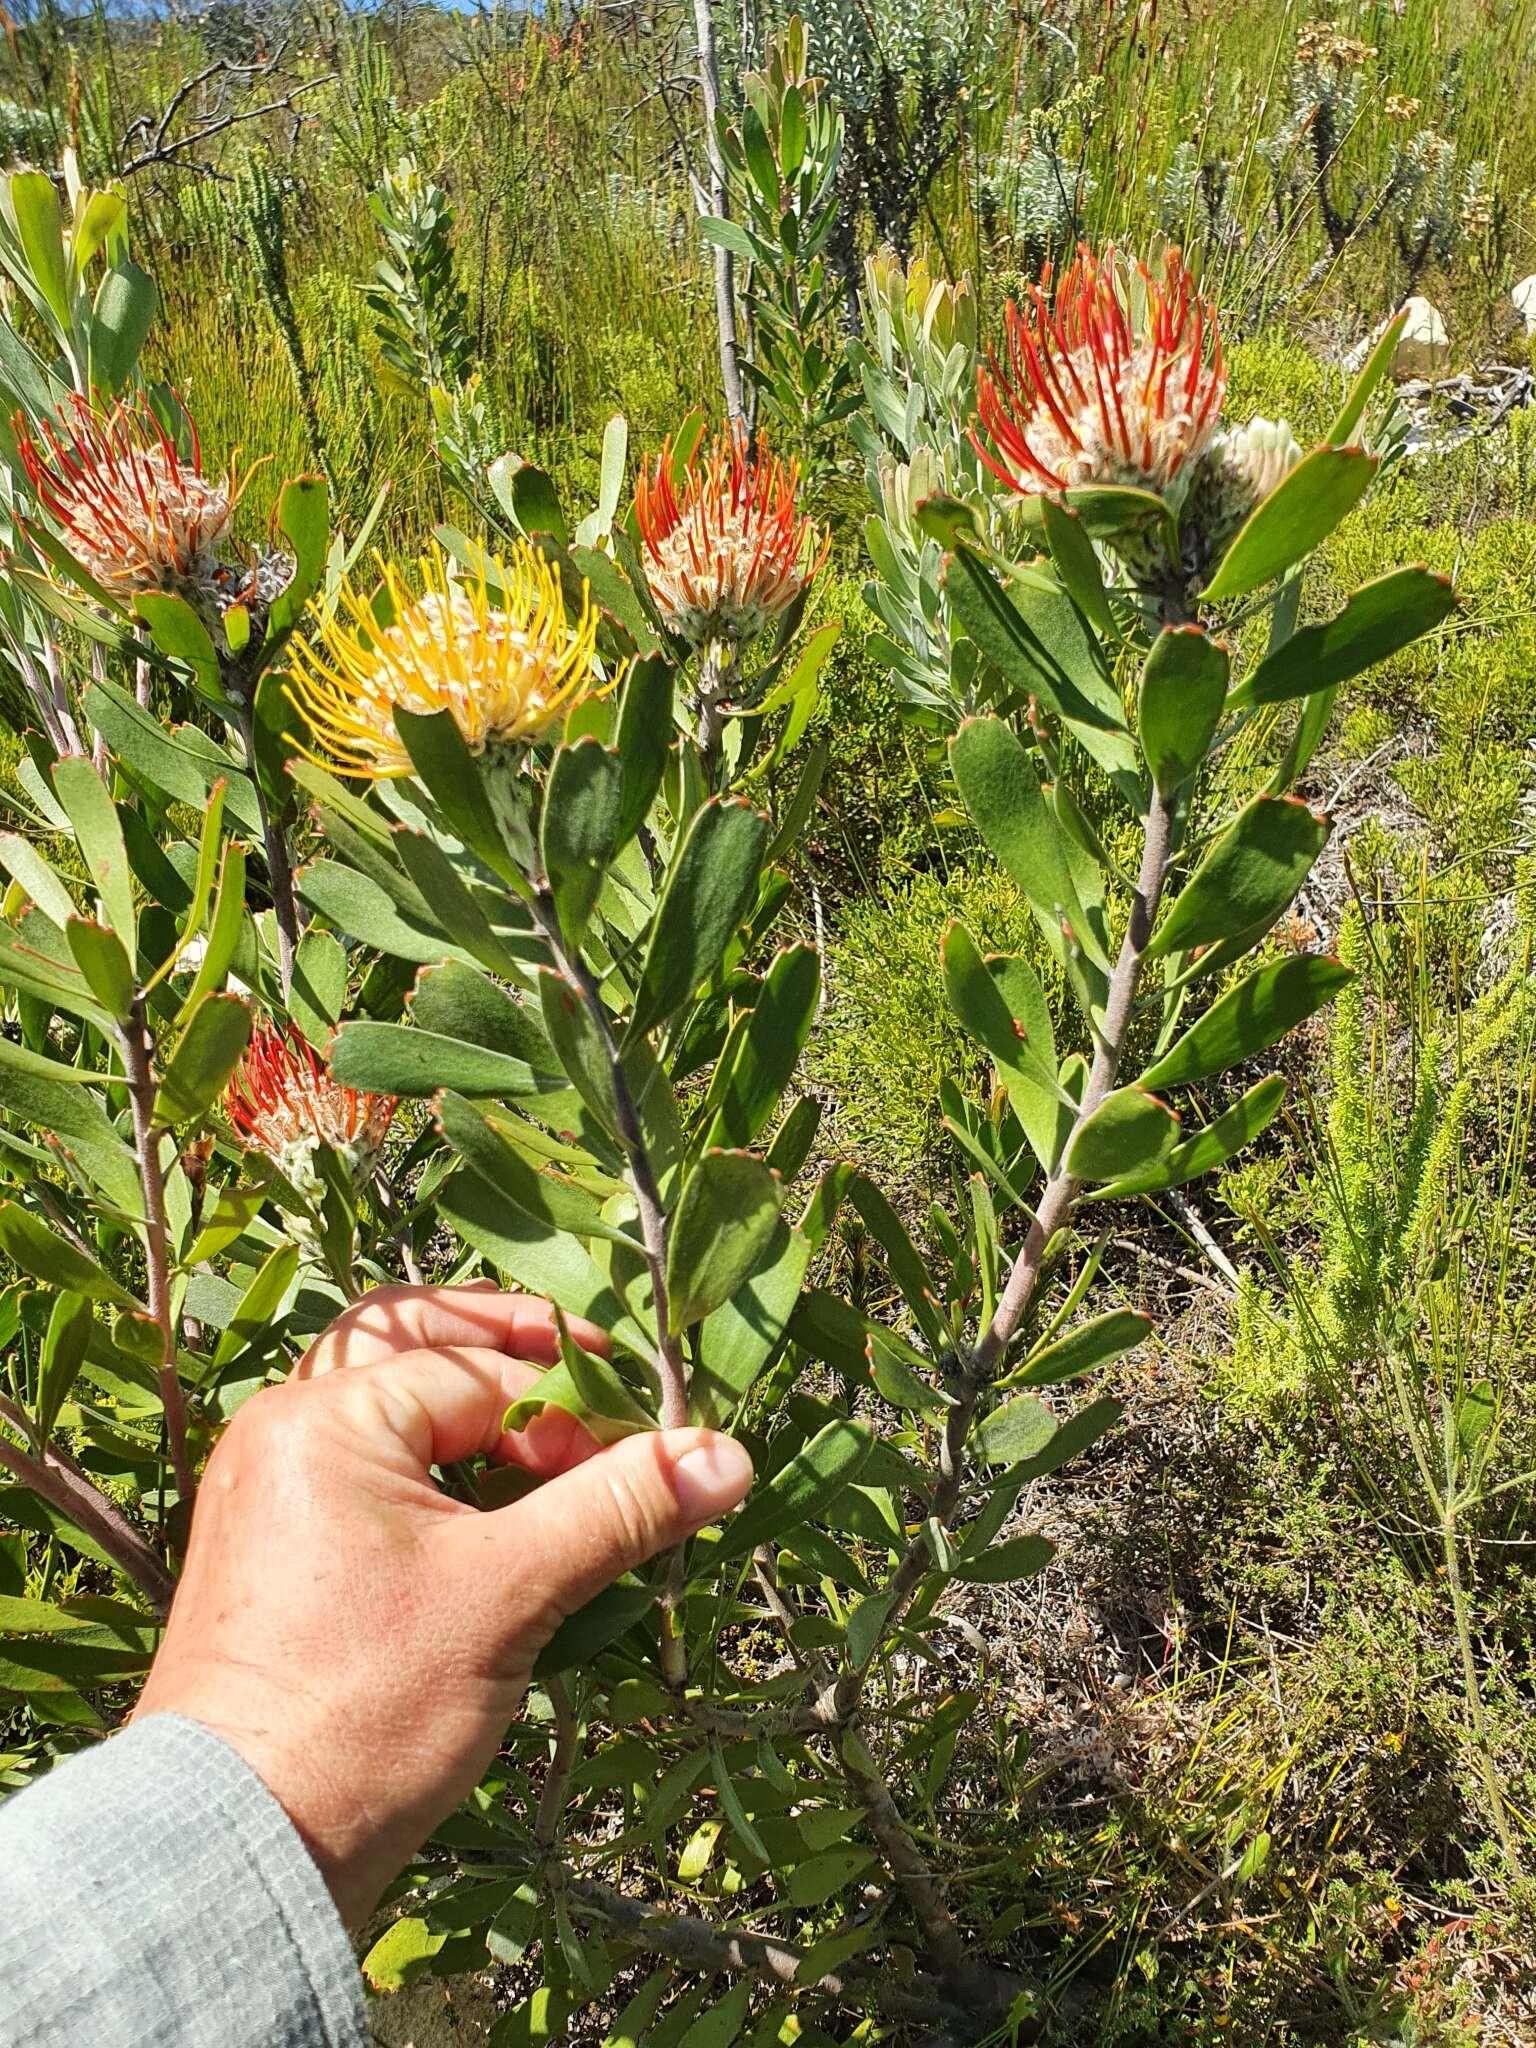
[[1424, 348], [1524, 296]]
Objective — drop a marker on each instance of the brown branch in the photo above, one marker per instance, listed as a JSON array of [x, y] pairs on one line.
[[695, 1943], [719, 205], [162, 148], [671, 1369], [58, 1480], [920, 1887], [138, 1047], [552, 1796]]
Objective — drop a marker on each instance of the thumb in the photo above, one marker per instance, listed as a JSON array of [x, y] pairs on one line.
[[613, 1511]]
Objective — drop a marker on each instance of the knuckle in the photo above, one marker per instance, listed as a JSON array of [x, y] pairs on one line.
[[629, 1513]]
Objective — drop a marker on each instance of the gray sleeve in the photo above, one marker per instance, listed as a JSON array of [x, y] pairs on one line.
[[153, 1894]]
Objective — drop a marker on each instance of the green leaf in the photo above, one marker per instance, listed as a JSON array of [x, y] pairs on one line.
[[643, 740], [736, 1341], [224, 932], [1476, 1413], [203, 877], [1183, 687], [1077, 565], [1129, 1130], [233, 1213], [461, 912], [180, 635], [1022, 1557], [580, 1045], [34, 206], [534, 503], [453, 778], [205, 1057], [728, 234], [763, 1048], [1106, 510], [710, 888], [124, 311], [1249, 1018], [730, 1799], [252, 1326], [908, 1267], [630, 2029], [614, 595], [100, 957], [64, 1347], [610, 477], [457, 1001], [794, 1138], [1001, 1004], [580, 828], [395, 1059], [558, 1267], [1090, 1344], [319, 992], [898, 1374], [797, 1491], [997, 781], [1296, 517], [724, 1219], [545, 1197], [181, 762], [579, 1638], [1379, 620], [822, 1877], [587, 1387], [1038, 640], [51, 1097], [1211, 1147], [40, 1251], [1246, 878], [1020, 1429], [304, 521], [1375, 368], [27, 867], [402, 1953], [1079, 1432]]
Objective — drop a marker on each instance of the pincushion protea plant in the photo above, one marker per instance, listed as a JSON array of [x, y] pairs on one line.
[[136, 514], [283, 1102], [497, 650], [1112, 376], [727, 552]]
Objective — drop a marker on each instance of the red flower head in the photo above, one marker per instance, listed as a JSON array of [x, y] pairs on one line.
[[283, 1102], [1113, 376], [135, 515], [730, 554]]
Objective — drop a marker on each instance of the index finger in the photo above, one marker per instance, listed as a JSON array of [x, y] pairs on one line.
[[390, 1320]]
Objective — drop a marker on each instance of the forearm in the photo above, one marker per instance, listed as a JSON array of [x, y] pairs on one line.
[[153, 1892]]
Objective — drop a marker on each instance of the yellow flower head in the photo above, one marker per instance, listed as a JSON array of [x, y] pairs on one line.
[[506, 665]]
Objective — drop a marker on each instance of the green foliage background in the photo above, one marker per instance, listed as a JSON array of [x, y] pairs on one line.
[[1245, 1640]]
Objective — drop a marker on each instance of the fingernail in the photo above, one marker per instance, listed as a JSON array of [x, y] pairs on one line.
[[711, 1476]]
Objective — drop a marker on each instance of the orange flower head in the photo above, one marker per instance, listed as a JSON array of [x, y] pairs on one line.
[[1112, 376], [135, 514], [727, 553], [283, 1102]]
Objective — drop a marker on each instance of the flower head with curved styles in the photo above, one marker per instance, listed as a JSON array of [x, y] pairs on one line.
[[136, 514], [726, 550], [506, 665], [283, 1102], [1112, 376]]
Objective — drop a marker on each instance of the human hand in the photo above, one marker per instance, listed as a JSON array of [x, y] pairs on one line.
[[359, 1637]]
